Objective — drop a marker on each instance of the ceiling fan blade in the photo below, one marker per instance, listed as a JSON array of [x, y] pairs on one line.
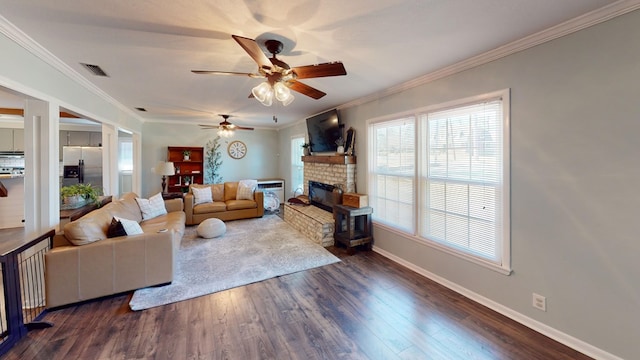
[[208, 126], [320, 70], [306, 89], [214, 72], [253, 49], [243, 128]]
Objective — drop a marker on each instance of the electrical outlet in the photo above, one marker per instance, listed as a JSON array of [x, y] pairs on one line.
[[539, 302]]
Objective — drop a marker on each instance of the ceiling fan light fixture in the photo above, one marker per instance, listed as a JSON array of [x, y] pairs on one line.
[[224, 132], [263, 93], [288, 100], [282, 92]]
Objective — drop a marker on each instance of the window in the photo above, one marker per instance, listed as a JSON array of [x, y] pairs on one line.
[[392, 173], [297, 166], [461, 193], [125, 155]]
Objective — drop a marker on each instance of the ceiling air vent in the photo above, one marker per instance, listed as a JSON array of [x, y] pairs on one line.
[[141, 109], [95, 69]]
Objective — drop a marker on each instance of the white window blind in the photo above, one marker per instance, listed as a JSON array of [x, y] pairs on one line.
[[392, 172], [461, 178]]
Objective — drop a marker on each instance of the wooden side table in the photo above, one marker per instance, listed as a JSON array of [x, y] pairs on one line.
[[353, 226], [172, 195]]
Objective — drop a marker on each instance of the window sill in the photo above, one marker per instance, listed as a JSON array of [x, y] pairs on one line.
[[424, 242]]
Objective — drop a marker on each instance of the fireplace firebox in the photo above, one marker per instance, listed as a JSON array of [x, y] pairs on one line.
[[324, 196]]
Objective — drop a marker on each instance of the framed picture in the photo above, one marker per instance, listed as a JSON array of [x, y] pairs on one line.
[[349, 145]]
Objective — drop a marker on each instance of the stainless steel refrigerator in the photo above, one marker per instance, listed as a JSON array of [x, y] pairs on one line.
[[82, 164]]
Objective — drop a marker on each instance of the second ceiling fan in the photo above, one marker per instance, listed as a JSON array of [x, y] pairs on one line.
[[225, 128], [280, 76]]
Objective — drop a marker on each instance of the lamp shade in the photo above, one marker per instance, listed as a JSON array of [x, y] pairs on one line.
[[165, 169], [282, 92], [263, 93]]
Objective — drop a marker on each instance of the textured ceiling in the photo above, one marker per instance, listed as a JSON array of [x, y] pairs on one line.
[[149, 47]]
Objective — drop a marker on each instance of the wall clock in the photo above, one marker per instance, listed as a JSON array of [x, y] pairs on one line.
[[237, 149]]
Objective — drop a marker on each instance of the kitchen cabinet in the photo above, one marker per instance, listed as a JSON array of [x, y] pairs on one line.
[[79, 138], [18, 139], [95, 138], [6, 139], [11, 140]]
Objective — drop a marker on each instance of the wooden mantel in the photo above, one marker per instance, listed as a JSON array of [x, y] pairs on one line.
[[331, 159]]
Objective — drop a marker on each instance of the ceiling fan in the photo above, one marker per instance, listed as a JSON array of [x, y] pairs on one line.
[[280, 76], [225, 128]]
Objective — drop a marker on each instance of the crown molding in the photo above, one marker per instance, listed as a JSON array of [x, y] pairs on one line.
[[25, 41], [589, 19]]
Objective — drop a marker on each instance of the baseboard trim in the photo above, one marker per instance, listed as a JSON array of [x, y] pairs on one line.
[[542, 328]]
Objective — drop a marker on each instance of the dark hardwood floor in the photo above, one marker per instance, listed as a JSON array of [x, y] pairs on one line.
[[365, 307]]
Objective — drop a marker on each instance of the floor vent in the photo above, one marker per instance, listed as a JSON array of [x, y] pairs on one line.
[[95, 69]]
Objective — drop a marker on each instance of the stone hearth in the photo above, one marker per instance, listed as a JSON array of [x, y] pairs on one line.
[[313, 222]]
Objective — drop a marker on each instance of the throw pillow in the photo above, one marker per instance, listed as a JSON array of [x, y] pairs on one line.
[[245, 189], [153, 207], [115, 229], [201, 195], [131, 227]]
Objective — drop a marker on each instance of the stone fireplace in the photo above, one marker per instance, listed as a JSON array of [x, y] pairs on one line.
[[324, 195], [322, 174], [334, 170]]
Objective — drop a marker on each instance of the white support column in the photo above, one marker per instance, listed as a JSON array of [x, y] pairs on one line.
[[136, 179], [42, 182], [109, 159]]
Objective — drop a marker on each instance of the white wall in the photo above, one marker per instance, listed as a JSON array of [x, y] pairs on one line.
[[261, 160], [26, 73], [575, 119]]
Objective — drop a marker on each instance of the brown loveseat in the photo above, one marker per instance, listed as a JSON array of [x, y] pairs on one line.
[[106, 266], [224, 206]]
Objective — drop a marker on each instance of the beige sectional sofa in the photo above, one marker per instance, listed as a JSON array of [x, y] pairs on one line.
[[225, 205], [106, 266]]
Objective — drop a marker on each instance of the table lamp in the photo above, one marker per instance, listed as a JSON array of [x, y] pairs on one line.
[[165, 169]]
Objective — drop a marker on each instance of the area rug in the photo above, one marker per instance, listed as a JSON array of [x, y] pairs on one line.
[[250, 251]]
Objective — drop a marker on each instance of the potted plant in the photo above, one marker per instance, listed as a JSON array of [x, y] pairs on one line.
[[79, 194], [305, 149], [186, 154]]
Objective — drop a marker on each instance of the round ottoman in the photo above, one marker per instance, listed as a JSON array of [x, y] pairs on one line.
[[211, 228]]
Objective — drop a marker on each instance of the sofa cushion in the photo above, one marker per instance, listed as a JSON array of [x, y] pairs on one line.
[[89, 228], [216, 206], [245, 189], [218, 192], [241, 204], [173, 221], [127, 208], [152, 207], [115, 229], [131, 227], [202, 195], [230, 190]]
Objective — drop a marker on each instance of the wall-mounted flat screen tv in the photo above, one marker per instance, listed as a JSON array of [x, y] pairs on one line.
[[324, 129]]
